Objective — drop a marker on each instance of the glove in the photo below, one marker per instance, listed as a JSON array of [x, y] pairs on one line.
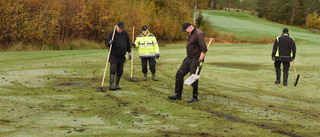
[[110, 42], [157, 56], [129, 56], [200, 63], [133, 45], [272, 57]]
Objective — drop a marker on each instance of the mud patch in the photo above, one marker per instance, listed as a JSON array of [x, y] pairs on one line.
[[238, 65], [4, 121], [68, 84], [132, 79]]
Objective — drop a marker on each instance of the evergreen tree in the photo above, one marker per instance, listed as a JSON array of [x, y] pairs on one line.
[[262, 8]]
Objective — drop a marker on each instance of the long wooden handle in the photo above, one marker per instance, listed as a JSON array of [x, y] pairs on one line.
[[209, 42], [105, 69], [198, 69], [294, 68], [131, 73]]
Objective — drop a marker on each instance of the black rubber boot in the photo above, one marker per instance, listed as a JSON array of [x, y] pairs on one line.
[[285, 78], [195, 92], [154, 78], [145, 77], [193, 100], [178, 91], [117, 82], [112, 87], [176, 96], [278, 75]]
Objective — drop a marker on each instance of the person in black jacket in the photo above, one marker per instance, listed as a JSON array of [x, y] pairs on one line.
[[120, 45], [284, 51], [196, 50]]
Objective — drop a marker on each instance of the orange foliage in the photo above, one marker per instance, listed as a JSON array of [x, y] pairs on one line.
[[51, 21]]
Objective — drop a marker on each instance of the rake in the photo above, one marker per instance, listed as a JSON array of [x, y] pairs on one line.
[[132, 79], [105, 69]]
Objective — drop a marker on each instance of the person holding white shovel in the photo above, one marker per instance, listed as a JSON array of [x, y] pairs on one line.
[[120, 45], [196, 50]]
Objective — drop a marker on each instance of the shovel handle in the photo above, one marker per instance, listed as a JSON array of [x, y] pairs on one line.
[[197, 70], [209, 42]]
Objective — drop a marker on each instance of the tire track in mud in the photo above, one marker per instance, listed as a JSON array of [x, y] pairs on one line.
[[247, 100], [235, 87], [232, 87], [219, 114], [162, 117]]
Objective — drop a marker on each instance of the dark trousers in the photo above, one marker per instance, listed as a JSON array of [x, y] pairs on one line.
[[189, 65], [286, 65], [116, 65], [152, 65]]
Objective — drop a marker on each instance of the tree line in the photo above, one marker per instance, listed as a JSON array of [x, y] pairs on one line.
[[59, 21], [303, 13], [47, 21]]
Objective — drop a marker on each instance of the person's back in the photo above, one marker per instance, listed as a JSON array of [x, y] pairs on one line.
[[286, 47], [283, 52]]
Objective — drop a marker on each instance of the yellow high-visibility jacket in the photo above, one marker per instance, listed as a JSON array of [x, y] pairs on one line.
[[147, 45]]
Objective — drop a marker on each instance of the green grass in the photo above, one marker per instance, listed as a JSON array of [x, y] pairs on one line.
[[78, 44], [237, 94], [247, 26]]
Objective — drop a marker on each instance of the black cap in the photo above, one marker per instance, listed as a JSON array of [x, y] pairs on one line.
[[285, 30], [185, 26], [120, 25], [144, 27]]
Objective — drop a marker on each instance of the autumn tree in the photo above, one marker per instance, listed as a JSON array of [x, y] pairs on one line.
[[313, 21], [51, 21]]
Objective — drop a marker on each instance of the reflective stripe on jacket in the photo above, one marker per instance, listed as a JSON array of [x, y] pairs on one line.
[[284, 48], [147, 45]]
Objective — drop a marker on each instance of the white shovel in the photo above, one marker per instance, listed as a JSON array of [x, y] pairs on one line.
[[192, 78]]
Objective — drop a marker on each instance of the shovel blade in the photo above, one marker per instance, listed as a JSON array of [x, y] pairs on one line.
[[191, 79]]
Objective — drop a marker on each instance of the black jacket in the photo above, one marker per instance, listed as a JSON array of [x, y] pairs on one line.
[[120, 45], [196, 43], [284, 48]]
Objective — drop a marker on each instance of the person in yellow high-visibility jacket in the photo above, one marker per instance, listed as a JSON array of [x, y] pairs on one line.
[[283, 52], [148, 49]]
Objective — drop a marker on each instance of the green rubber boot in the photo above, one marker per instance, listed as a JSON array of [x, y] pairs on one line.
[[145, 77]]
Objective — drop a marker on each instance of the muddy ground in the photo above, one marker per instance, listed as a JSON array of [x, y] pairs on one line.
[[56, 93]]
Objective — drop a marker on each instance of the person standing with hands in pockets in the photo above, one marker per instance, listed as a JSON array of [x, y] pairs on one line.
[[148, 50], [196, 50], [120, 45]]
